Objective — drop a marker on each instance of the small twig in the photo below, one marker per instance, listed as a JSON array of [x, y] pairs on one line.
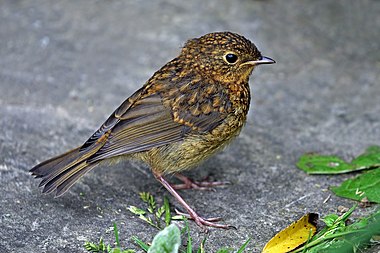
[[327, 199]]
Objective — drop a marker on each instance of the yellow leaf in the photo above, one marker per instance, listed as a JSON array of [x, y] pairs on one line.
[[293, 236]]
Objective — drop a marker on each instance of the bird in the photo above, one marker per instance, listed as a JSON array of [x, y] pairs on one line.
[[188, 110]]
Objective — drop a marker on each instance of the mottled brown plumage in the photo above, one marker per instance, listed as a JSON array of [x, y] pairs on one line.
[[189, 109]]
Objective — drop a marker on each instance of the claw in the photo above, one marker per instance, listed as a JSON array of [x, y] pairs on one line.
[[191, 218]]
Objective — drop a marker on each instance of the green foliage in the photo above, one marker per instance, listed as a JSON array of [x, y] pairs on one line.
[[189, 248], [201, 248], [152, 215], [148, 199], [366, 185], [168, 216], [352, 238], [323, 164], [140, 243], [166, 241], [101, 247], [339, 237], [244, 246], [116, 232], [330, 219]]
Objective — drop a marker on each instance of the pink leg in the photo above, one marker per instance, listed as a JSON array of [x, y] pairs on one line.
[[199, 185], [199, 220]]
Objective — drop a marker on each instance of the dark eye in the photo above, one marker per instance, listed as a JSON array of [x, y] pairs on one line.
[[231, 58]]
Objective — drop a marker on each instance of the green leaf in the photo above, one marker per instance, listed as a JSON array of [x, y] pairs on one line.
[[160, 211], [140, 243], [118, 250], [323, 164], [145, 196], [202, 246], [95, 248], [149, 221], [178, 217], [366, 185], [334, 245], [166, 241], [371, 158], [136, 210], [344, 217], [92, 247], [116, 232], [342, 238], [242, 248], [330, 219], [168, 216], [152, 215], [352, 242], [189, 248]]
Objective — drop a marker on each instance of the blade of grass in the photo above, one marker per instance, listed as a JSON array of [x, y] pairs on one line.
[[168, 216], [189, 248], [324, 238], [242, 248], [141, 244], [202, 246], [116, 232]]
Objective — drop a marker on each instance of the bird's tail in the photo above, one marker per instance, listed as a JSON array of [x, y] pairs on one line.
[[61, 172]]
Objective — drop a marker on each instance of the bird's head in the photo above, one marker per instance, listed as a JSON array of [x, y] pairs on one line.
[[223, 56]]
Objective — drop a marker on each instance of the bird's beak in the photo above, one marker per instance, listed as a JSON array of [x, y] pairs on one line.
[[262, 60]]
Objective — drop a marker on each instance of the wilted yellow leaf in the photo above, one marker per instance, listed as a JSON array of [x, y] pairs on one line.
[[293, 236]]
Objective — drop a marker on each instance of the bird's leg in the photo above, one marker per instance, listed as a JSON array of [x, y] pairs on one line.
[[203, 223], [188, 183]]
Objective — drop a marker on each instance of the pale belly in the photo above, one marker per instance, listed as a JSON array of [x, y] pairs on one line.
[[194, 149]]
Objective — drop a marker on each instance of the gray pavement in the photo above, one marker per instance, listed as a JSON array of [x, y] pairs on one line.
[[66, 65]]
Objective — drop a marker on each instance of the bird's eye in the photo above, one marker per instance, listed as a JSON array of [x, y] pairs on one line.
[[230, 58]]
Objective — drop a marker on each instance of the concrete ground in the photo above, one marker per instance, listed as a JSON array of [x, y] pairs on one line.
[[66, 65]]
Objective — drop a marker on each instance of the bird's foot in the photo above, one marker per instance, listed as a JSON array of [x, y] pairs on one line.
[[203, 222], [188, 183]]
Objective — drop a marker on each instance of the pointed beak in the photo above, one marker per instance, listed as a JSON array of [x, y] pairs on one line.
[[262, 60], [265, 60]]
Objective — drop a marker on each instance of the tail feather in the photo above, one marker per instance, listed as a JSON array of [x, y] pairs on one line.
[[46, 167], [54, 181], [61, 172], [63, 187]]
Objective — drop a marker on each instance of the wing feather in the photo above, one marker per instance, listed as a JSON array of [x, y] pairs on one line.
[[146, 125], [146, 120]]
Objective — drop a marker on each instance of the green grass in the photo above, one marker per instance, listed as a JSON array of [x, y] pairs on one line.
[[159, 218], [339, 235]]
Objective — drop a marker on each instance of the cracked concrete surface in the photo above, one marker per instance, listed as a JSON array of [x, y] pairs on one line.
[[66, 65]]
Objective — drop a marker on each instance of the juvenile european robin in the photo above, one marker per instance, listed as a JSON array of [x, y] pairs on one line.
[[189, 109]]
